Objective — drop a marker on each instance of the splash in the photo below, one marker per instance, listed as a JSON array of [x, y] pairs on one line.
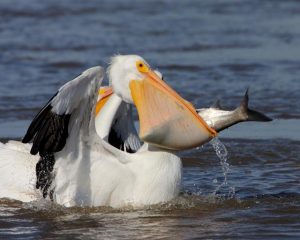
[[222, 153]]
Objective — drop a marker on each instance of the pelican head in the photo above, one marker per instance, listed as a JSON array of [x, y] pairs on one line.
[[166, 119], [122, 70]]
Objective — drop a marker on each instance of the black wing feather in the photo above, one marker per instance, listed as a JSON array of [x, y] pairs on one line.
[[44, 175], [48, 131], [37, 122], [116, 140]]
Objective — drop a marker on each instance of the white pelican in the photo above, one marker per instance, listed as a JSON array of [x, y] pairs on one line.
[[79, 168]]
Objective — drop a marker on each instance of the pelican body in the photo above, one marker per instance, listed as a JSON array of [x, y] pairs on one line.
[[74, 166]]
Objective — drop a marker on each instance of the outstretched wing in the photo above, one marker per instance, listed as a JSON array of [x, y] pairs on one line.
[[69, 111], [49, 130]]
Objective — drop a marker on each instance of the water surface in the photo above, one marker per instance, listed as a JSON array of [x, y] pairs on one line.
[[205, 50]]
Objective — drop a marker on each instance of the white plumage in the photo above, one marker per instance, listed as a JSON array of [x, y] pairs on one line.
[[88, 171], [17, 172]]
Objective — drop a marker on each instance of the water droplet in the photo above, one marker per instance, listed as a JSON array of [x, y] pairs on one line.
[[222, 154]]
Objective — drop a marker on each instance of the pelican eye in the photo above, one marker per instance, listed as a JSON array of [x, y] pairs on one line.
[[142, 67]]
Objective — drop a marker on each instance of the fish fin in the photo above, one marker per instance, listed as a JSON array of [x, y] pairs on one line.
[[216, 104], [245, 101], [249, 114]]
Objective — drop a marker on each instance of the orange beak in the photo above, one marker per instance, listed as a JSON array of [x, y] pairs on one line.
[[104, 94], [166, 119]]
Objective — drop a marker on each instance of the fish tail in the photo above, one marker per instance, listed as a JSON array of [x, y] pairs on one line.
[[249, 114]]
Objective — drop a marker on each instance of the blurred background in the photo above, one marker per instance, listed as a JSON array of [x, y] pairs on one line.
[[206, 50]]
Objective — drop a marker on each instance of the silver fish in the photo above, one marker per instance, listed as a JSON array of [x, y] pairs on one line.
[[220, 119]]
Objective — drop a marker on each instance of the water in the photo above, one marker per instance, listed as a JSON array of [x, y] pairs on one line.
[[206, 50], [222, 153]]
